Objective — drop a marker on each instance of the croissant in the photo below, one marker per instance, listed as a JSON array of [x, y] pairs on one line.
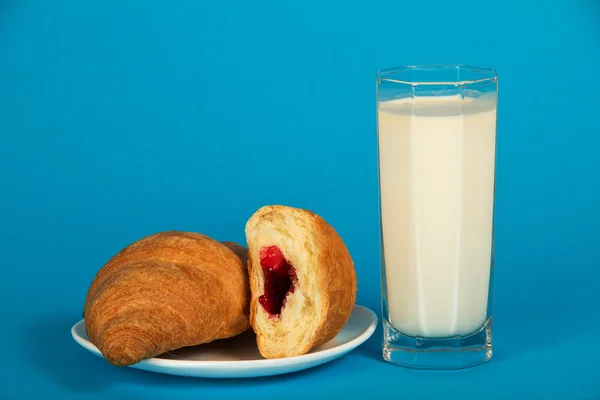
[[167, 291], [302, 280]]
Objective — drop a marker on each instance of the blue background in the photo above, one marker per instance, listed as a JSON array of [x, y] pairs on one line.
[[123, 118]]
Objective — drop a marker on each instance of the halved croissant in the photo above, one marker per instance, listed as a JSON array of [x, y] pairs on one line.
[[302, 280], [167, 291]]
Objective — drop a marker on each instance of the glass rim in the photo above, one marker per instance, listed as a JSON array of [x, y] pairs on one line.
[[487, 74]]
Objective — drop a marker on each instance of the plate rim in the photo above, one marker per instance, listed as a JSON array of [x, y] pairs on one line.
[[264, 362]]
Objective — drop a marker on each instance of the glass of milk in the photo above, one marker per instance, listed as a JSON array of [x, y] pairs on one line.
[[437, 154]]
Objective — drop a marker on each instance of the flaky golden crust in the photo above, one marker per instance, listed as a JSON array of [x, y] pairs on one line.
[[334, 274], [166, 291], [338, 280], [256, 290], [241, 251]]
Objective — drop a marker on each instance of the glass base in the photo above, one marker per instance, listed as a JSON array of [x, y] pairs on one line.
[[444, 353]]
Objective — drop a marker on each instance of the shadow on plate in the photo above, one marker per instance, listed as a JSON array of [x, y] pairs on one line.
[[51, 349]]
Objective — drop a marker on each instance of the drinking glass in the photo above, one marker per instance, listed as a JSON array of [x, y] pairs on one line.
[[436, 131]]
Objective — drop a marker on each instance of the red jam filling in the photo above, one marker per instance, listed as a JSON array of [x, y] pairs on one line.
[[279, 275]]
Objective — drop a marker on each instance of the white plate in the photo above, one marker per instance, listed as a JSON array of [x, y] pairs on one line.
[[239, 357]]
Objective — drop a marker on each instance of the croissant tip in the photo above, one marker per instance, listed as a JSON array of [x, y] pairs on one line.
[[124, 350]]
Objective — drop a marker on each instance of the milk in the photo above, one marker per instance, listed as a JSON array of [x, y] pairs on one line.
[[437, 160]]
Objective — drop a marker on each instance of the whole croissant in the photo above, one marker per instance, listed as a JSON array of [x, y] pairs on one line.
[[167, 291]]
